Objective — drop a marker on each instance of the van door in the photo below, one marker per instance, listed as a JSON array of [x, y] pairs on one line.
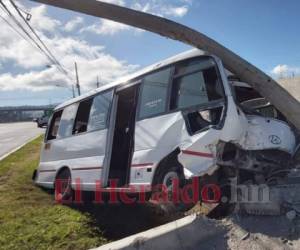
[[122, 142], [157, 131]]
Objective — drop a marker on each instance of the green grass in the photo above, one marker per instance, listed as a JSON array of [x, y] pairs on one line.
[[29, 217]]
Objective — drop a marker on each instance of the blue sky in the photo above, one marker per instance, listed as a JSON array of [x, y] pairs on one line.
[[264, 32]]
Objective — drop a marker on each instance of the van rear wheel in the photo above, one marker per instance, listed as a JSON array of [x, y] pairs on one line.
[[63, 187]]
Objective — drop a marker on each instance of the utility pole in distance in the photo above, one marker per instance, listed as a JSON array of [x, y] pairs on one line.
[[77, 80], [73, 91], [98, 83]]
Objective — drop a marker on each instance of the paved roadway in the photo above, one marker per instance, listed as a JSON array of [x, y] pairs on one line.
[[13, 135]]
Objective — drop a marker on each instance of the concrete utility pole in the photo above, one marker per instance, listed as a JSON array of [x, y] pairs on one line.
[[264, 84], [77, 80]]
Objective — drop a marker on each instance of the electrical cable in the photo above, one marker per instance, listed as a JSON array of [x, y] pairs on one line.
[[52, 60], [37, 36]]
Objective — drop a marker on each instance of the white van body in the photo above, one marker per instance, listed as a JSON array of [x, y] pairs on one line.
[[89, 155]]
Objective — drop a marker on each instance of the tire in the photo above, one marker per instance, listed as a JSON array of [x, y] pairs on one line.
[[165, 176], [63, 187]]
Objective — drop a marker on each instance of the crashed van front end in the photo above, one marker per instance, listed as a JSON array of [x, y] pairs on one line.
[[267, 133]]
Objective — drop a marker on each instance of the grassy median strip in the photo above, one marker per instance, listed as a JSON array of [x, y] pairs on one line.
[[29, 217]]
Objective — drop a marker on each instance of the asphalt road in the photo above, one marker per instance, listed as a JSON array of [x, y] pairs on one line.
[[13, 135]]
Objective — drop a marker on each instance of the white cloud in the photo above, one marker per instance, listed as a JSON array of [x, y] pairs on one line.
[[117, 2], [106, 66], [106, 27], [34, 80], [18, 51], [41, 21], [187, 1], [73, 24], [283, 70], [92, 60], [280, 69], [14, 48], [176, 9]]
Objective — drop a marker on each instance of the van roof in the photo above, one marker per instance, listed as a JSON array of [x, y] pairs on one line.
[[126, 79]]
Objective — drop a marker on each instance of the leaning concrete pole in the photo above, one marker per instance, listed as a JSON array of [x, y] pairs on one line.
[[264, 84]]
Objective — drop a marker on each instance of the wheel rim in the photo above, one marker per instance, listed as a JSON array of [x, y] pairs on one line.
[[168, 180], [65, 190], [66, 187]]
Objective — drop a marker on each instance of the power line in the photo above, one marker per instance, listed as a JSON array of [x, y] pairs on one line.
[[24, 30], [50, 57], [37, 36], [15, 29], [10, 25]]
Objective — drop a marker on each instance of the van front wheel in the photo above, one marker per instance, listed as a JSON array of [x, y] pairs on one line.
[[163, 183], [63, 187]]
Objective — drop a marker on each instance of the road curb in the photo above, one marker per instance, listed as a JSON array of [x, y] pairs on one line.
[[19, 147], [185, 233]]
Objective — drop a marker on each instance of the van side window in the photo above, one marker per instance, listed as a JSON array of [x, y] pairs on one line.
[[197, 90], [82, 117], [154, 93], [99, 114], [67, 121], [196, 82], [54, 125]]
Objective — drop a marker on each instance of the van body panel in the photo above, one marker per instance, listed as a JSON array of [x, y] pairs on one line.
[[86, 171], [84, 151], [45, 179], [235, 123], [165, 131], [79, 146], [199, 155], [155, 138]]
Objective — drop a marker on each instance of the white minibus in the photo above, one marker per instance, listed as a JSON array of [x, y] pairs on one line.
[[180, 118]]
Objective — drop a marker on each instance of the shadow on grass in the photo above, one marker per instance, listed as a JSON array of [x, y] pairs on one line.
[[120, 220]]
